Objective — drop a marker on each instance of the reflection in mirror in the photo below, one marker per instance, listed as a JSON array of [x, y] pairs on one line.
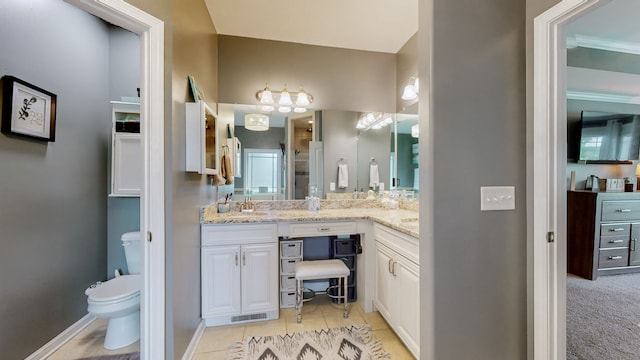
[[406, 156], [321, 141]]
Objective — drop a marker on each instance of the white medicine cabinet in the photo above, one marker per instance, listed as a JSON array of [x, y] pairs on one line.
[[126, 152], [201, 138]]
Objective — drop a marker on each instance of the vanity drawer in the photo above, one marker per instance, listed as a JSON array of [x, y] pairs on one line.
[[322, 228], [613, 258], [620, 210]]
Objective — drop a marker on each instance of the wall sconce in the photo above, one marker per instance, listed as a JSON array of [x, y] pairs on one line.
[[411, 90], [284, 99], [415, 131], [638, 177], [256, 122]]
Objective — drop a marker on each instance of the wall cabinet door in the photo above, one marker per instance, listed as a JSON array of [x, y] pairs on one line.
[[126, 170], [220, 280], [634, 245], [259, 277]]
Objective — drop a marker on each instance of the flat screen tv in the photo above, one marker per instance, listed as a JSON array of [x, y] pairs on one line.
[[609, 137]]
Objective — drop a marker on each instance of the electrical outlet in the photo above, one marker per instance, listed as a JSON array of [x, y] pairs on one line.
[[332, 186], [497, 198]]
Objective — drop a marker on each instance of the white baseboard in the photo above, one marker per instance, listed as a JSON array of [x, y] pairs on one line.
[[190, 353], [62, 338]]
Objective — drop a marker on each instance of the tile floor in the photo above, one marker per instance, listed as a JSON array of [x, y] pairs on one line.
[[317, 314]]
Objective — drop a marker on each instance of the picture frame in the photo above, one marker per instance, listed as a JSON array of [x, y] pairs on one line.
[[27, 110], [196, 91]]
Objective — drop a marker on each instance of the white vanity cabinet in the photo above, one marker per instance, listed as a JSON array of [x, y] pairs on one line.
[[239, 273], [397, 284], [126, 151]]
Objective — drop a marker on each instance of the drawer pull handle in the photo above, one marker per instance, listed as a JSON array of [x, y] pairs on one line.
[[633, 244], [615, 241], [236, 259], [623, 210], [291, 245], [617, 257], [389, 266], [324, 229], [616, 229]]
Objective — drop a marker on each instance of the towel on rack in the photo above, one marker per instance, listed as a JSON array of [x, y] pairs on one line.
[[226, 170], [343, 176], [374, 176]]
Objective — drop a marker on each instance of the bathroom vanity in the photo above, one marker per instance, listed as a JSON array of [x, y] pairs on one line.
[[243, 252]]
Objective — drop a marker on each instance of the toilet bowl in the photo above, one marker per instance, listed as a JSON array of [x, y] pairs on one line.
[[118, 299]]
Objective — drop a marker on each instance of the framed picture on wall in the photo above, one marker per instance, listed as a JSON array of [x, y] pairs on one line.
[[195, 89], [27, 110]]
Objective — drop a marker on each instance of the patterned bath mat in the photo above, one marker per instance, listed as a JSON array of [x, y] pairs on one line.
[[131, 356], [355, 342]]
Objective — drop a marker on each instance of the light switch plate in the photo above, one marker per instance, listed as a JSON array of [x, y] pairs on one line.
[[332, 186], [497, 198]]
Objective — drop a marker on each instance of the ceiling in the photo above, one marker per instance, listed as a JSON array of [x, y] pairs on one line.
[[371, 25]]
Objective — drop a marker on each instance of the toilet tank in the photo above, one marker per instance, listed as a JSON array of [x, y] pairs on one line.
[[131, 242]]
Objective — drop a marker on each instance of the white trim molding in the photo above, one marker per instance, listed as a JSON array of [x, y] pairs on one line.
[[547, 259], [152, 197], [57, 342], [190, 352], [596, 96], [599, 43]]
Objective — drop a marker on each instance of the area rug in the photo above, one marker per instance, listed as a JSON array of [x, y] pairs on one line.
[[131, 356], [355, 342]]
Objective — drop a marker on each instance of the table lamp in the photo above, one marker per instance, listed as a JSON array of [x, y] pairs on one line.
[[638, 177]]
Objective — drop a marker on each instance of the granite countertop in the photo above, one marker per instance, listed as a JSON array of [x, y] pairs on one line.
[[403, 220]]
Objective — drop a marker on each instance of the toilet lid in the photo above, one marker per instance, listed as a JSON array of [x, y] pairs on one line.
[[116, 288]]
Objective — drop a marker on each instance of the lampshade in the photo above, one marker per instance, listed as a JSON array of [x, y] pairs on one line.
[[266, 97], [284, 109], [302, 100], [285, 98], [299, 110], [409, 92], [256, 122]]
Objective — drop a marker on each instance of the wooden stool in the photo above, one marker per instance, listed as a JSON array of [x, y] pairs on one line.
[[321, 269]]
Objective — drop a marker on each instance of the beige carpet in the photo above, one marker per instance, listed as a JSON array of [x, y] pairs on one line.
[[603, 318], [355, 342]]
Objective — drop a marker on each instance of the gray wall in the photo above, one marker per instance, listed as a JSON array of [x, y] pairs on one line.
[[374, 144], [404, 159], [339, 140], [406, 68], [54, 205], [335, 77], [123, 213], [473, 120]]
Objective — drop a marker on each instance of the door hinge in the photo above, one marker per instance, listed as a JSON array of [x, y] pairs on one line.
[[149, 237], [551, 237]]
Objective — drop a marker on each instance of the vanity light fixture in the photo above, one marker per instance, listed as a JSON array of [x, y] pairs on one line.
[[411, 90], [256, 122], [284, 100], [374, 121]]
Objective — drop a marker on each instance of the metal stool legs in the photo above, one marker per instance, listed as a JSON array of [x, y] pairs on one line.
[[343, 294]]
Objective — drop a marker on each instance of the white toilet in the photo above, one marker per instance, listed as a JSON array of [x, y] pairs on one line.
[[119, 298]]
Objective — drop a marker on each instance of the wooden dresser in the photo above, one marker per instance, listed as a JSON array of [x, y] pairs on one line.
[[602, 233]]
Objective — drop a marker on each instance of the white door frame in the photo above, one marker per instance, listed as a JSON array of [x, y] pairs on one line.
[[152, 199], [547, 194]]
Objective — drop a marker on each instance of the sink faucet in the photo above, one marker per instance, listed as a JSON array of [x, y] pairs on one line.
[[247, 204]]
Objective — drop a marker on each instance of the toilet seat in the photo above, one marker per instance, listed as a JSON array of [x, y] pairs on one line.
[[117, 289]]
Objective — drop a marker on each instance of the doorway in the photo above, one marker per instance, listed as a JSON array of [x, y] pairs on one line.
[[152, 204], [547, 200], [302, 162]]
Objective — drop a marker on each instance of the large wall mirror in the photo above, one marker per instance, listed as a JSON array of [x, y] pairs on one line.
[[325, 151]]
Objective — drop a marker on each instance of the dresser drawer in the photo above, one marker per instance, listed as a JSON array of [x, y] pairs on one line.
[[614, 241], [620, 229], [613, 258], [620, 210]]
